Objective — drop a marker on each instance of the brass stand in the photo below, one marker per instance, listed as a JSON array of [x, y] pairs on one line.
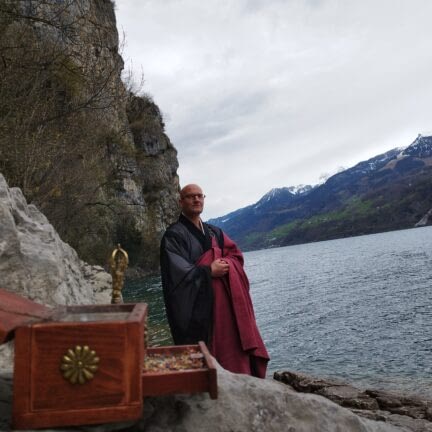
[[118, 262]]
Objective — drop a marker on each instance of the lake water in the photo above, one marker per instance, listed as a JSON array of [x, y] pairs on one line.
[[359, 309]]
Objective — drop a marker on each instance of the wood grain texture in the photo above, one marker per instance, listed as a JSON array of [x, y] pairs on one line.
[[44, 398], [16, 311], [212, 375]]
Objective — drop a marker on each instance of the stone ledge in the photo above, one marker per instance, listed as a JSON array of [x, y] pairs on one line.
[[410, 412]]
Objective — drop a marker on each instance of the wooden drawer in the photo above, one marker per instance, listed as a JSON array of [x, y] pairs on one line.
[[203, 379]]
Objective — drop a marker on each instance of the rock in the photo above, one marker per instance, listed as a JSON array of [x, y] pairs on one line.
[[425, 220], [100, 282], [349, 396], [5, 400], [334, 390], [35, 263], [388, 402], [7, 357], [414, 425], [400, 410], [408, 406], [372, 415], [244, 404], [304, 383], [150, 185]]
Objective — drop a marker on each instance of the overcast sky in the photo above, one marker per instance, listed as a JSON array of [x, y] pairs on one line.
[[258, 94]]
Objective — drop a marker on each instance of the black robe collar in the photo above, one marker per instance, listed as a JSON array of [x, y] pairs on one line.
[[203, 238]]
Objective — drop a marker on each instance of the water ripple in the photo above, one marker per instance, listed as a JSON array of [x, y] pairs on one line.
[[358, 309]]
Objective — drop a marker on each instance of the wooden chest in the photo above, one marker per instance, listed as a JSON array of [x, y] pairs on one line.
[[80, 365]]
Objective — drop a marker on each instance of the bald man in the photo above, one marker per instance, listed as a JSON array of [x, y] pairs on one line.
[[206, 290]]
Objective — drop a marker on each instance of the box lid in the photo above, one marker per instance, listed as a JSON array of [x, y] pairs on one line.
[[16, 311]]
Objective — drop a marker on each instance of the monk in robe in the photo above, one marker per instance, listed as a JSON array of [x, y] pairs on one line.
[[206, 290]]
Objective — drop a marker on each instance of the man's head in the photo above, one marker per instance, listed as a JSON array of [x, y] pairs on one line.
[[192, 200]]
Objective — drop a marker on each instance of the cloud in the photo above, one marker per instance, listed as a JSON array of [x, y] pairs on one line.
[[260, 94]]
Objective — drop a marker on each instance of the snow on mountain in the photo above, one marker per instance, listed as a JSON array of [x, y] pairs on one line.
[[421, 147], [285, 202], [274, 193], [283, 195], [300, 189]]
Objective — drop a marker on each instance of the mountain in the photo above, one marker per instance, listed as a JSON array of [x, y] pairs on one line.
[[390, 191]]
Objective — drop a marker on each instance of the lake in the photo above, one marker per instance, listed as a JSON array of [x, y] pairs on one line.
[[359, 309]]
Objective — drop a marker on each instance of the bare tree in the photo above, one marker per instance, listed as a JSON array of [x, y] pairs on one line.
[[60, 91]]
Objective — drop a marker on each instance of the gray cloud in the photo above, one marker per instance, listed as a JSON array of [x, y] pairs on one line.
[[262, 94]]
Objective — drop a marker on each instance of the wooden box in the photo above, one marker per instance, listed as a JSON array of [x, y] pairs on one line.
[[82, 367], [77, 365]]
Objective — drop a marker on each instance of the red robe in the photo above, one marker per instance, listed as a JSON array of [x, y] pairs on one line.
[[236, 342]]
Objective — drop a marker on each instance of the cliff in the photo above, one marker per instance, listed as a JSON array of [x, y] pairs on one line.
[[93, 156]]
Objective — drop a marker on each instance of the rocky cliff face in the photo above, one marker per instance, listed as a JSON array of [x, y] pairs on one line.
[[149, 181], [104, 170]]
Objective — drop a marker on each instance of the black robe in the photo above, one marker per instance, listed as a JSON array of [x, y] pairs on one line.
[[187, 288]]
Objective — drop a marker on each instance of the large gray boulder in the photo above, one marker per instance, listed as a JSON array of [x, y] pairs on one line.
[[35, 263], [245, 404]]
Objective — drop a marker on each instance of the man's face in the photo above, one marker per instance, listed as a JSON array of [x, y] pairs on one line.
[[192, 201]]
